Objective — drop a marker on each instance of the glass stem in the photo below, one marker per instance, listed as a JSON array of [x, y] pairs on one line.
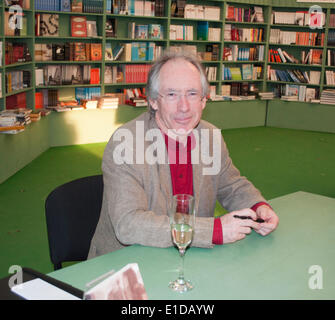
[[181, 270]]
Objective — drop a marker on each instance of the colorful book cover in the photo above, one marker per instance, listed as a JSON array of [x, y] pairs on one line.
[[78, 26], [49, 25], [235, 73], [142, 51], [141, 31], [155, 31]]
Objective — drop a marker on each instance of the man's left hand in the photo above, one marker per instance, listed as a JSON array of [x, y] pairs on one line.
[[270, 218]]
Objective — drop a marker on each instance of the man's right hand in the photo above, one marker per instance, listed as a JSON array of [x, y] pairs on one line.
[[234, 229]]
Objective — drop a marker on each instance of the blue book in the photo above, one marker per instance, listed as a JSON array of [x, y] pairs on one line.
[[150, 51], [202, 30], [134, 51], [65, 5]]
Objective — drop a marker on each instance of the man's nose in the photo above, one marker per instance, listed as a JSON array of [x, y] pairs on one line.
[[183, 103]]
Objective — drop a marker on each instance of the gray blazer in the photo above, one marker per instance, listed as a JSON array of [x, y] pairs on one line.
[[137, 196]]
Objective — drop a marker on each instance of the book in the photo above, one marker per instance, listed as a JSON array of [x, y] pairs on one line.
[[91, 28], [202, 30], [78, 26], [155, 31], [95, 76], [49, 25], [96, 52], [77, 5]]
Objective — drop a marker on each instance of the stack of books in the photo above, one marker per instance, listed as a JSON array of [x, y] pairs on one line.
[[266, 95], [289, 98], [328, 96], [108, 102]]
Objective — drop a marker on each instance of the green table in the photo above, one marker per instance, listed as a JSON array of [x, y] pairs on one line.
[[273, 267]]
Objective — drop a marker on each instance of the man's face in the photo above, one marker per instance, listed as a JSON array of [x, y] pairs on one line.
[[180, 79]]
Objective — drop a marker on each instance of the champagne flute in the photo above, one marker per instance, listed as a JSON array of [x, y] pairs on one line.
[[182, 221]]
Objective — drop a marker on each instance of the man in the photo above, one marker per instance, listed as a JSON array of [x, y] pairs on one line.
[[139, 184]]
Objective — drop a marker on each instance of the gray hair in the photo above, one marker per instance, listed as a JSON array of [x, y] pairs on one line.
[[153, 83]]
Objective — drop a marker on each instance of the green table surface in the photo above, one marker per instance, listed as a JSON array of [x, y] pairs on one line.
[[273, 267]]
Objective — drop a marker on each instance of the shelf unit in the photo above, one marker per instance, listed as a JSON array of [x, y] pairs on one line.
[[122, 37]]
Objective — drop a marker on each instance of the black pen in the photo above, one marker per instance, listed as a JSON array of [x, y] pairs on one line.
[[259, 220]]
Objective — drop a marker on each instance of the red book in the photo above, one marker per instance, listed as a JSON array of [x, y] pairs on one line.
[[95, 76], [38, 100], [78, 26]]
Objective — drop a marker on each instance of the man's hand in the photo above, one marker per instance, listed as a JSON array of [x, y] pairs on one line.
[[234, 229], [270, 218]]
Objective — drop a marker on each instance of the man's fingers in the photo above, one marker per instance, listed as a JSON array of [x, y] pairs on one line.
[[251, 224], [245, 230], [246, 213]]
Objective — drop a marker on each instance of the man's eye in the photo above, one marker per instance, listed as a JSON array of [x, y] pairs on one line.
[[172, 95]]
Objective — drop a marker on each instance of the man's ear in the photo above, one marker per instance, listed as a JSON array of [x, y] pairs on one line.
[[203, 103], [153, 104]]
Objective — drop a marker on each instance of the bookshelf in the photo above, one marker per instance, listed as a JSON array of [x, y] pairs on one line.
[[204, 27]]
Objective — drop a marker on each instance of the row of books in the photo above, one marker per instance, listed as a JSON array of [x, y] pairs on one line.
[[134, 51], [17, 101], [88, 6], [312, 56], [299, 93], [299, 76], [17, 80], [145, 31], [239, 89], [129, 73], [301, 18], [47, 25], [73, 51], [237, 53], [237, 14], [330, 57], [331, 38], [330, 78], [244, 72], [181, 32], [55, 75], [231, 33], [278, 36], [193, 11], [152, 8], [45, 98], [211, 73], [15, 52]]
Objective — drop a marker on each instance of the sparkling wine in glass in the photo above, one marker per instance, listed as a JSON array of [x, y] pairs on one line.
[[182, 220]]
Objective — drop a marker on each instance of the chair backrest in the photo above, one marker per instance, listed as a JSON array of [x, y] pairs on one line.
[[72, 213]]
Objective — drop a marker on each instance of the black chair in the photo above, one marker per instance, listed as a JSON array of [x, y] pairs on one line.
[[72, 213]]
